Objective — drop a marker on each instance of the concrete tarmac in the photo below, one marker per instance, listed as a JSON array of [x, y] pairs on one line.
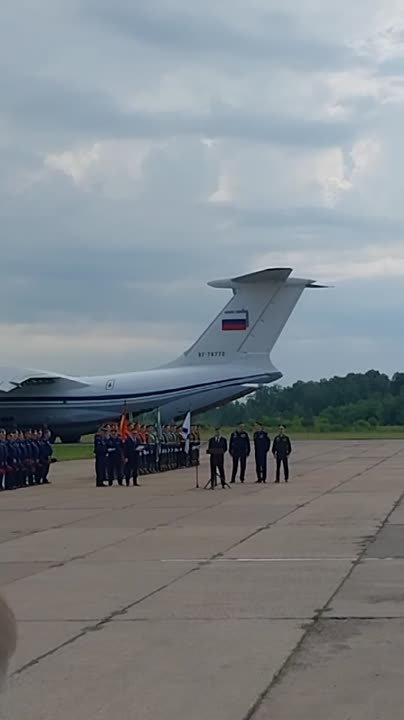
[[164, 602]]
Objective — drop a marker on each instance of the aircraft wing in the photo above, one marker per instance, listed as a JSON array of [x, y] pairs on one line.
[[12, 378]]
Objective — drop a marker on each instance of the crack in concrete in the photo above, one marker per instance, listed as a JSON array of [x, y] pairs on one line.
[[118, 615], [319, 615]]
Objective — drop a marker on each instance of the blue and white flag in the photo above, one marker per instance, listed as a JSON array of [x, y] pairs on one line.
[[186, 431]]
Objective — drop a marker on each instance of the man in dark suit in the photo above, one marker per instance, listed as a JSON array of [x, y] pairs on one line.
[[217, 448]]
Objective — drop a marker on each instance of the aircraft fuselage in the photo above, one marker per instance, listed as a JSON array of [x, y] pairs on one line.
[[103, 398]]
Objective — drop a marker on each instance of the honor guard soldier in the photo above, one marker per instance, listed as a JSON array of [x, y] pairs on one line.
[[262, 444], [152, 445], [239, 450], [170, 451], [182, 457], [45, 456], [35, 455], [163, 460], [3, 459], [174, 447], [114, 457], [132, 448], [195, 445], [27, 459], [100, 452], [142, 453], [12, 460], [217, 448], [281, 450]]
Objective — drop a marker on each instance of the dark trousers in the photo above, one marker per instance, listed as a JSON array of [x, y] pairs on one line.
[[9, 480], [261, 466], [100, 470], [243, 464], [285, 462], [131, 471], [217, 465], [45, 467], [114, 468]]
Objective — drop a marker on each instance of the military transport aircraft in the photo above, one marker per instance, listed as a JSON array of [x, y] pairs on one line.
[[226, 362]]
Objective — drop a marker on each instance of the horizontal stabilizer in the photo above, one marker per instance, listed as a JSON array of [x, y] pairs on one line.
[[263, 277], [12, 378]]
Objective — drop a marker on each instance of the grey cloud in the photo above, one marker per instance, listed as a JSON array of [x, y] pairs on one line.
[[276, 38], [314, 217], [69, 110]]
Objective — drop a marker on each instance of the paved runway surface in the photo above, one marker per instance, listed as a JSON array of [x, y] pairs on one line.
[[282, 602]]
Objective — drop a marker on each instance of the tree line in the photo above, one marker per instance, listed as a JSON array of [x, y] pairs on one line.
[[359, 401]]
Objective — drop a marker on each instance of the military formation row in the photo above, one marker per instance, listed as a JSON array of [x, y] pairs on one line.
[[25, 458], [122, 456]]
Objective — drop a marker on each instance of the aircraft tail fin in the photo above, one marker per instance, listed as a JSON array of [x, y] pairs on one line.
[[247, 328]]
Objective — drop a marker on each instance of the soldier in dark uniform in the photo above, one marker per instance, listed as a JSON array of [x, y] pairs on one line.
[[45, 456], [166, 449], [281, 450], [181, 446], [239, 450], [132, 446], [217, 448], [114, 457], [3, 459], [20, 450], [23, 450], [13, 457], [100, 453], [152, 448], [195, 445], [262, 444], [35, 455], [167, 436], [175, 441]]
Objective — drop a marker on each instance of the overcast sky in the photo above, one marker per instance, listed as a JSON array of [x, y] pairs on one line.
[[146, 148]]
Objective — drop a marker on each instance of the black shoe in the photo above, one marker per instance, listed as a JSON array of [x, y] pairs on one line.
[[277, 481], [232, 481]]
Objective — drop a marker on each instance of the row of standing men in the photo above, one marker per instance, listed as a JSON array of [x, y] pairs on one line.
[[25, 458], [141, 451], [239, 448]]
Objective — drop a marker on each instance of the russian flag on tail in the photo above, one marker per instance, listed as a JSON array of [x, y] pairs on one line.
[[235, 321]]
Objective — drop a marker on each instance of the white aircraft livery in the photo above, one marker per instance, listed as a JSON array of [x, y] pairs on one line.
[[231, 356]]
